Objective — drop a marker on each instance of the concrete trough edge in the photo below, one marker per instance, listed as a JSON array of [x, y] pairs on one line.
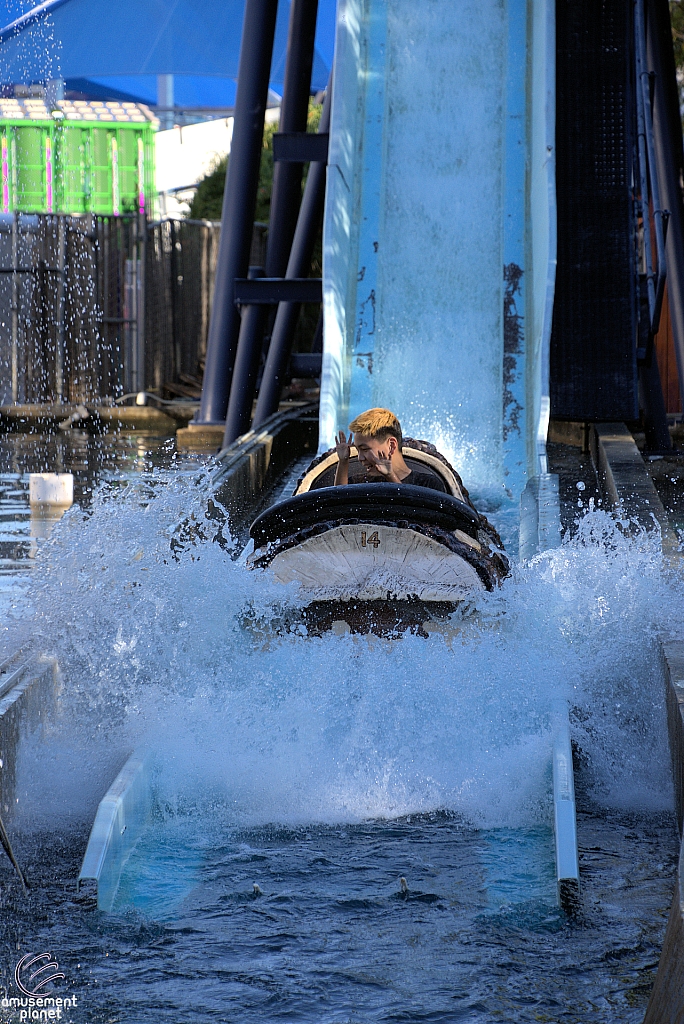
[[121, 817], [10, 682], [102, 418], [626, 485], [26, 695], [666, 1003]]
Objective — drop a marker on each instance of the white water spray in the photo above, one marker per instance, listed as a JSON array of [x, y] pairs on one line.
[[142, 603]]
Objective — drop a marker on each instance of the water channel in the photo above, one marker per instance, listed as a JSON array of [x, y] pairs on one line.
[[324, 769]]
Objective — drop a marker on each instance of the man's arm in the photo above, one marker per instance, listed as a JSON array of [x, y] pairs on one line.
[[342, 448]]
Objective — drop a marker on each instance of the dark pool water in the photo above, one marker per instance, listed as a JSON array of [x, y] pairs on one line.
[[332, 939]]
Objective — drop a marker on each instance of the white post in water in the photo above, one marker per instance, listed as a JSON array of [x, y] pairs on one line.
[[50, 494], [51, 489], [565, 824]]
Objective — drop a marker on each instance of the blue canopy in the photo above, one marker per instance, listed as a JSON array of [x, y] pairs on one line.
[[100, 39], [194, 91]]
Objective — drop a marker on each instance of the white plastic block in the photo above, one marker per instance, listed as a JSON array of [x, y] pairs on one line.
[[123, 813], [51, 489]]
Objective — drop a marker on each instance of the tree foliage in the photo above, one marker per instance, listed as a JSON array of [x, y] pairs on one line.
[[208, 199], [677, 19]]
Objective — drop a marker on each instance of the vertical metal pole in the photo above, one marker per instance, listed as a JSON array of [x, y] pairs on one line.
[[108, 329], [285, 197], [287, 177], [175, 302], [650, 388], [15, 310], [133, 300], [126, 314], [239, 201], [246, 369], [667, 132], [659, 272], [61, 309], [656, 431], [141, 279], [165, 101], [298, 266]]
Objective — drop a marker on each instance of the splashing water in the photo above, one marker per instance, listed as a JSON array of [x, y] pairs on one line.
[[323, 769], [142, 602]]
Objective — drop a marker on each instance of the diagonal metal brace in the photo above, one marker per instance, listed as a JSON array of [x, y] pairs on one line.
[[269, 291], [301, 147]]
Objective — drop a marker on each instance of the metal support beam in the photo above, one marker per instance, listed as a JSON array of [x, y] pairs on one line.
[[239, 201], [298, 265], [285, 195], [657, 434], [61, 310], [287, 177], [165, 102], [269, 291], [655, 221], [246, 365], [667, 131], [306, 364], [141, 256], [298, 147]]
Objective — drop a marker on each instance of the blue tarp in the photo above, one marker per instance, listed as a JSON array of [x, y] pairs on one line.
[[111, 42]]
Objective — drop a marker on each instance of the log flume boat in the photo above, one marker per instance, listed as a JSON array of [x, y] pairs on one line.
[[380, 554]]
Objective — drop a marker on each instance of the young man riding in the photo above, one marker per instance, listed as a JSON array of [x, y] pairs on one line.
[[376, 435]]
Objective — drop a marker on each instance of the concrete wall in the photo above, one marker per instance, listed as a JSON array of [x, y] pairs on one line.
[[27, 703], [626, 485]]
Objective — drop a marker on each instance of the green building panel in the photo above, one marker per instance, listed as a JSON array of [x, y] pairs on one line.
[[28, 153], [100, 172], [71, 165], [79, 158]]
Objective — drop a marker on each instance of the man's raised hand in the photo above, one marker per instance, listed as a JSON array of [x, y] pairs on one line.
[[343, 446], [383, 466]]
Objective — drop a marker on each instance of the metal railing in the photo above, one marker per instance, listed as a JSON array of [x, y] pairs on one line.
[[649, 209]]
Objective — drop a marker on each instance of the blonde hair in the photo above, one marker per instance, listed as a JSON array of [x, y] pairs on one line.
[[377, 423]]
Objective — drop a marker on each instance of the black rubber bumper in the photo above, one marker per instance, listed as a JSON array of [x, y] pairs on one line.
[[367, 503]]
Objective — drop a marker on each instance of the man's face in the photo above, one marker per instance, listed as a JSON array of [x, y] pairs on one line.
[[380, 449]]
